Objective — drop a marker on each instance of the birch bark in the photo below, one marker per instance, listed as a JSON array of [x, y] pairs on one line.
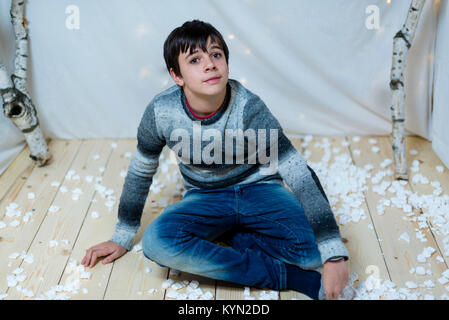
[[402, 42], [17, 104]]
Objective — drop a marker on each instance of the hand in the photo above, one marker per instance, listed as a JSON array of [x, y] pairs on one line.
[[109, 249], [335, 276]]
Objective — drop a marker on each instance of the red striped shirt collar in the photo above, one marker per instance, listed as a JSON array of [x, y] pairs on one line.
[[200, 117]]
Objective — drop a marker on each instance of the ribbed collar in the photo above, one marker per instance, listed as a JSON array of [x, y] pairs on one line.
[[213, 117]]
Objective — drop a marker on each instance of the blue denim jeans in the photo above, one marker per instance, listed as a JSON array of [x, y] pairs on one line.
[[263, 223]]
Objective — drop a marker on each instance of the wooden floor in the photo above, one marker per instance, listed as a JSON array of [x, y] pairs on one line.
[[372, 242]]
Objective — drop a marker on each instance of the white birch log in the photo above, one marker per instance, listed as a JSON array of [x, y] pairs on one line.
[[401, 44], [6, 86], [17, 104]]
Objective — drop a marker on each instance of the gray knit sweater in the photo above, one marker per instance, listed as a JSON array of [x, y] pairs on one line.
[[241, 143]]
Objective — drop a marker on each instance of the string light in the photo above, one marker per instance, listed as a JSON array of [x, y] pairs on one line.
[[142, 30], [144, 72], [231, 37]]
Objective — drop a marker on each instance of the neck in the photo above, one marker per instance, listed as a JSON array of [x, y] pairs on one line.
[[205, 105]]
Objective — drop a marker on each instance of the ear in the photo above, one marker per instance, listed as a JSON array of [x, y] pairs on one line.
[[179, 81]]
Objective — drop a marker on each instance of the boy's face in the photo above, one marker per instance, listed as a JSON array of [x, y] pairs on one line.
[[201, 66]]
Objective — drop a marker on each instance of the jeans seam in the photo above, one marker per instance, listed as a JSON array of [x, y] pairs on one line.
[[182, 228], [283, 226], [282, 275], [301, 252]]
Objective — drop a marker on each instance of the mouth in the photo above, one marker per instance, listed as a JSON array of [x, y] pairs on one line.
[[213, 80]]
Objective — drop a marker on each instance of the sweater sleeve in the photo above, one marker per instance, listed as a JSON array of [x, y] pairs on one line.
[[143, 166], [302, 181]]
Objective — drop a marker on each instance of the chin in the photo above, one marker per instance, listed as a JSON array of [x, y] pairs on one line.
[[217, 88]]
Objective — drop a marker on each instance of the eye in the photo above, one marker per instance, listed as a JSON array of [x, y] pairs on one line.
[[217, 55], [193, 60]]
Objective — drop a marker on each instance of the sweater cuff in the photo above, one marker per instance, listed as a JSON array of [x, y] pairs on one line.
[[123, 236], [332, 248]]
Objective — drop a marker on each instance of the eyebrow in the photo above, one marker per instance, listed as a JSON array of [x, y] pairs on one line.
[[196, 50]]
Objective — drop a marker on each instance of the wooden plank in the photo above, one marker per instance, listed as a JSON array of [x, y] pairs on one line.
[[399, 255], [128, 279], [39, 182], [428, 162], [205, 284], [64, 224], [94, 231], [14, 187], [136, 281], [230, 291], [21, 166], [360, 237]]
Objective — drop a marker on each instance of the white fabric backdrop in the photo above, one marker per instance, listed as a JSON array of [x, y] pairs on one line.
[[440, 115], [314, 63]]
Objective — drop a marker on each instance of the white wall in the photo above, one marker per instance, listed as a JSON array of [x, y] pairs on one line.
[[440, 118], [11, 139], [314, 63]]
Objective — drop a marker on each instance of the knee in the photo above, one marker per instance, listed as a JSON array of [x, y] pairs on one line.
[[160, 243], [304, 252], [153, 243], [305, 257], [148, 243]]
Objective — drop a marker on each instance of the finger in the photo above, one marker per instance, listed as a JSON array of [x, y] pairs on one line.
[[88, 256], [330, 295], [99, 253], [93, 259], [90, 251], [111, 257], [337, 293]]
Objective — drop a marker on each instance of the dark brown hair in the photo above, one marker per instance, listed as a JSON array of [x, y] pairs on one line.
[[191, 34]]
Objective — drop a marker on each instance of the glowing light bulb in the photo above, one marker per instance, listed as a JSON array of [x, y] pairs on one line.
[[142, 30], [231, 37], [144, 72], [243, 80]]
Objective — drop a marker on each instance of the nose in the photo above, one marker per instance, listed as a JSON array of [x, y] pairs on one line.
[[209, 64]]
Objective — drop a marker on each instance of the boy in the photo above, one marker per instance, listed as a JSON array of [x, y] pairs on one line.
[[277, 238]]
